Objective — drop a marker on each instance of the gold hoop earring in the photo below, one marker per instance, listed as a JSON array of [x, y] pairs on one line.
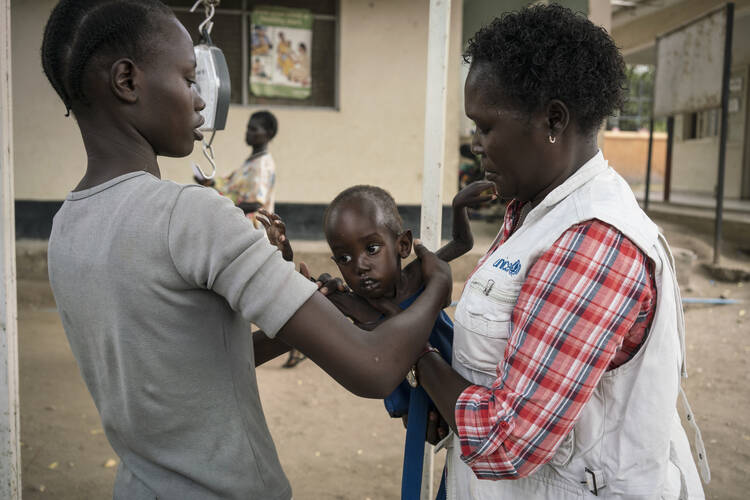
[[552, 139]]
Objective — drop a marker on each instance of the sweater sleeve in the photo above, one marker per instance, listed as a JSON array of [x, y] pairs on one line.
[[213, 246]]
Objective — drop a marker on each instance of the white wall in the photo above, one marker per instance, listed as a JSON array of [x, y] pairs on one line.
[[696, 161], [695, 165], [375, 137]]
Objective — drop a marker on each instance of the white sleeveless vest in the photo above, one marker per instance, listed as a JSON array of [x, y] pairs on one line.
[[628, 442]]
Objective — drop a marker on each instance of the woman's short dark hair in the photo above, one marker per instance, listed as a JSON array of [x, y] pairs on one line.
[[78, 30], [546, 52], [269, 121]]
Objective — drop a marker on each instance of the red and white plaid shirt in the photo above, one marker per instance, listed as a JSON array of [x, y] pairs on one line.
[[563, 338]]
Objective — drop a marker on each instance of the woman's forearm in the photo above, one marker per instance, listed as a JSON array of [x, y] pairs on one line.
[[442, 384], [266, 349], [367, 364]]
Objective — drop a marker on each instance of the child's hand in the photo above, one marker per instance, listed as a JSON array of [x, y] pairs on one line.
[[327, 284], [276, 231], [474, 194]]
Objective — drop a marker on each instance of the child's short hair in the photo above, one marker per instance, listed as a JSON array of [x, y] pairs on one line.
[[268, 120], [373, 194], [77, 30]]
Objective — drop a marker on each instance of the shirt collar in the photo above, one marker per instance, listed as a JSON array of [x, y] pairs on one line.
[[596, 165]]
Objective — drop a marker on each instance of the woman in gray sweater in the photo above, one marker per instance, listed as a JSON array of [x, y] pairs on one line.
[[157, 282]]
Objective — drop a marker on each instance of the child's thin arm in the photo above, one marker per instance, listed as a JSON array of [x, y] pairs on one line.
[[469, 197]]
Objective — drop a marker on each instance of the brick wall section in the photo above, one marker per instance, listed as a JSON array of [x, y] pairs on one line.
[[627, 152]]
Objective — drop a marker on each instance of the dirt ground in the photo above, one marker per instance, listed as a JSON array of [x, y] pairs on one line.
[[336, 446]]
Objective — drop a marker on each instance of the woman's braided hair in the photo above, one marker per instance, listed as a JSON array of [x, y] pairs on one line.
[[78, 30], [546, 52]]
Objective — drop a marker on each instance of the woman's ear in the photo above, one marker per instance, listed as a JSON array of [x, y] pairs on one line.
[[403, 243], [558, 117], [122, 79]]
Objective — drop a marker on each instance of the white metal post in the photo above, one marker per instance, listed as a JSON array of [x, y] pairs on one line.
[[10, 454], [434, 158], [434, 122]]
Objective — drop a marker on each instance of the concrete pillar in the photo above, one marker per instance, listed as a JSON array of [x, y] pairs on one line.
[[600, 13], [10, 453]]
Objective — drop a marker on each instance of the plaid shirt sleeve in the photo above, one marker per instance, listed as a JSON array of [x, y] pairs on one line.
[[581, 300]]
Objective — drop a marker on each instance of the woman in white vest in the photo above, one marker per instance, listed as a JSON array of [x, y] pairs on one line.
[[569, 335]]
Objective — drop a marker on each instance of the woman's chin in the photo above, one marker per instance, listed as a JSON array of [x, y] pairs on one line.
[[178, 152]]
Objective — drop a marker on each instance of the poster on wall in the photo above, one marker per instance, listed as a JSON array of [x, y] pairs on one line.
[[280, 48]]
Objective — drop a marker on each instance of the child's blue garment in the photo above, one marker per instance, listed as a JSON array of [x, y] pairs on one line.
[[405, 399]]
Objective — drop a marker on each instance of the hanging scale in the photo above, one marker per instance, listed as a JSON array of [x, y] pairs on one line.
[[213, 83]]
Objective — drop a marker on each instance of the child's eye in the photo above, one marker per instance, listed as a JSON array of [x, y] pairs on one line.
[[343, 259], [373, 249]]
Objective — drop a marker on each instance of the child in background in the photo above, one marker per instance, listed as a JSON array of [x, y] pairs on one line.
[[251, 186], [366, 236]]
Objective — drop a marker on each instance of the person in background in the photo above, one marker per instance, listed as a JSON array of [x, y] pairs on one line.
[[252, 186], [469, 167]]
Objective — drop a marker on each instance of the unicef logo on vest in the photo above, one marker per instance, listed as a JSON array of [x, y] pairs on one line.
[[509, 267]]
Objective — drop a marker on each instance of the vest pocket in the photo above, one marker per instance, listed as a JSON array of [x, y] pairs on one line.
[[482, 327], [564, 452]]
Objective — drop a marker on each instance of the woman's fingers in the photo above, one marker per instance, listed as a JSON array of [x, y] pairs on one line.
[[437, 428], [267, 213], [304, 271], [481, 199], [432, 428], [479, 186]]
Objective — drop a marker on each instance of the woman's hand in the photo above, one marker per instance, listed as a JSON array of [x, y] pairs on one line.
[[434, 269], [437, 427], [475, 194], [276, 231]]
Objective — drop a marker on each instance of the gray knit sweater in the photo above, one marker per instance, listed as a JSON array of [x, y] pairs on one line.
[[156, 284]]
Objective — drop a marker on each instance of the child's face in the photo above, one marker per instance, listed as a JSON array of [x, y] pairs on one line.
[[366, 252], [168, 104], [256, 134]]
